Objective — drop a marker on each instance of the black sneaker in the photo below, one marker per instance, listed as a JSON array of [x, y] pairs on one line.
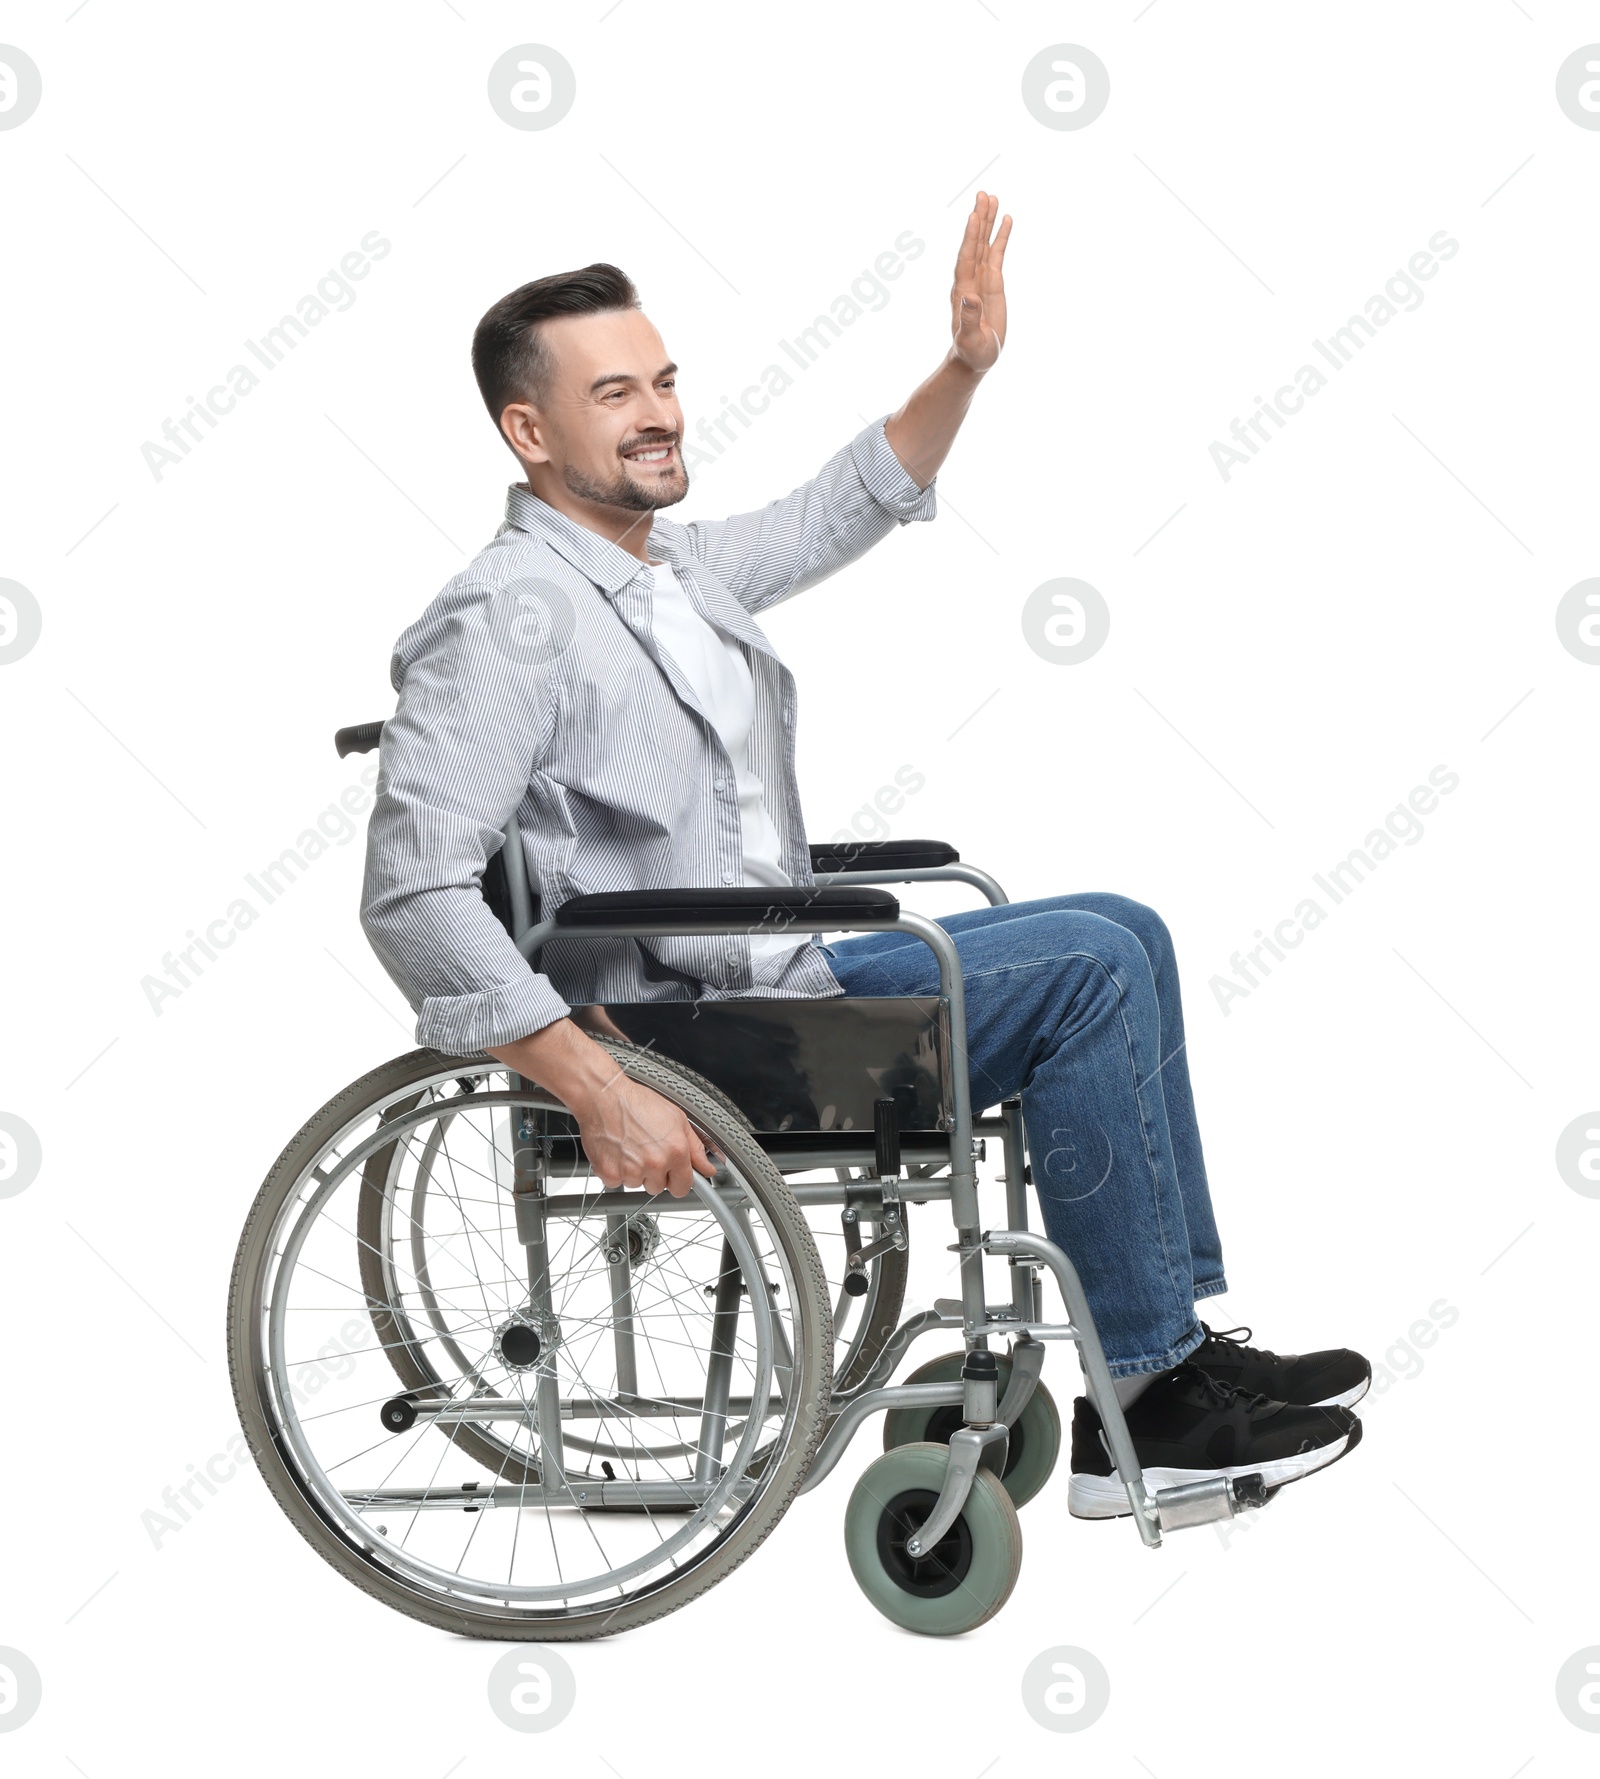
[[1190, 1427], [1335, 1378]]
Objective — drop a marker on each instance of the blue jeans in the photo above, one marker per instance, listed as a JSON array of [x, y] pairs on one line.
[[1073, 1003]]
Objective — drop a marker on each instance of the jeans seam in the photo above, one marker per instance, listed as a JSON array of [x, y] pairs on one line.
[[1184, 1299]]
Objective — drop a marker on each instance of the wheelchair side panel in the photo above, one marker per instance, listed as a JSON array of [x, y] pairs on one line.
[[809, 1065]]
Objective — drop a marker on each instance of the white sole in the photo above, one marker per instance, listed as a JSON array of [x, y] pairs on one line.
[[1348, 1398], [1104, 1497]]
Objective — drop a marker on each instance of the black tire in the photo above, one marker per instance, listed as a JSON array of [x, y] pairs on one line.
[[786, 1460]]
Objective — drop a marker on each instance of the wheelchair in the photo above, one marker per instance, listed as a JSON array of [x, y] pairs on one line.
[[517, 1405]]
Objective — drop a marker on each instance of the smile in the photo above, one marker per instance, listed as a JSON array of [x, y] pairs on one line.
[[655, 454]]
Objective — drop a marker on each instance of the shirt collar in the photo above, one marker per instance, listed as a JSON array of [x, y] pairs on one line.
[[608, 565]]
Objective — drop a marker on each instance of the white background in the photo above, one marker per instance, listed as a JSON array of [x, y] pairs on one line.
[[1369, 598]]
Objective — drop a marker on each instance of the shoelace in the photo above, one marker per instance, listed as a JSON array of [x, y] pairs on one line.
[[1235, 1337], [1224, 1394]]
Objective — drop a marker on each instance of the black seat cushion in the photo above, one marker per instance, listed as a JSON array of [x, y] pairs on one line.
[[883, 855], [691, 909]]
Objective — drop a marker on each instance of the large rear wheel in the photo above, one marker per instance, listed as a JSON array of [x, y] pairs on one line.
[[452, 1389]]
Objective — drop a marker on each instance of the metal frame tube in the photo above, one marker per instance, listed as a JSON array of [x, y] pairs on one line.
[[1014, 1148], [528, 1187], [787, 1161], [719, 1367], [858, 1408], [517, 878], [588, 1492], [1097, 1374], [621, 1274], [469, 1410], [894, 1350], [919, 874]]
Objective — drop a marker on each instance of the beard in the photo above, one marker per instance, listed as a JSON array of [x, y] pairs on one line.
[[622, 491]]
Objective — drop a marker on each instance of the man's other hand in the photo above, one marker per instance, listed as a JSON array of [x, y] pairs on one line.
[[635, 1137], [632, 1135]]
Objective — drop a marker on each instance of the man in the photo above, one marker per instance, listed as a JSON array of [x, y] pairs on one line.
[[597, 672]]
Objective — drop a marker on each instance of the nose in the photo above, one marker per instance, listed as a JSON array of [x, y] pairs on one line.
[[653, 413]]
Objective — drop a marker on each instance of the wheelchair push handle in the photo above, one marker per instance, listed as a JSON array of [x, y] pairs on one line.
[[359, 738]]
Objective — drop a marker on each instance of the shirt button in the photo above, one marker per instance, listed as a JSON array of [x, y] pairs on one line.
[[727, 877]]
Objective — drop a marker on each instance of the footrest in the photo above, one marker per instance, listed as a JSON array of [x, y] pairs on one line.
[[1199, 1503]]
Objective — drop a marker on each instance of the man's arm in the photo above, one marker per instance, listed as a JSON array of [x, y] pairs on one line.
[[458, 755], [884, 477], [922, 432], [457, 759]]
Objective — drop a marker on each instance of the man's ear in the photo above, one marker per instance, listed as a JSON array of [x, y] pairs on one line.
[[523, 428]]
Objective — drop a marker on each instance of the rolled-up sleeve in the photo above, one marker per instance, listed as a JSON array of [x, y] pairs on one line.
[[857, 498], [457, 758]]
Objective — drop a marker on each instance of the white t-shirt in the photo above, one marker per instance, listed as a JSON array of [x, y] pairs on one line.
[[716, 669]]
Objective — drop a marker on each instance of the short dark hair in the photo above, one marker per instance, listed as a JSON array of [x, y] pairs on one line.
[[508, 356]]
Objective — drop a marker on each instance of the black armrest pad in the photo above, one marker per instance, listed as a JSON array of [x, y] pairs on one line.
[[690, 909], [883, 855]]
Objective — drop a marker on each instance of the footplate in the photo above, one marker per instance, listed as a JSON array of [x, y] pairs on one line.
[[1218, 1498]]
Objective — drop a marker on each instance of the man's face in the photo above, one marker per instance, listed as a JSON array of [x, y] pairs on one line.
[[609, 423]]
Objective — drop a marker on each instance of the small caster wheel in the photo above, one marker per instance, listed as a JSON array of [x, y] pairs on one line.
[[1035, 1439], [966, 1578]]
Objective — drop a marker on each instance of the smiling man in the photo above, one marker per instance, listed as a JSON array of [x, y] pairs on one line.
[[597, 672]]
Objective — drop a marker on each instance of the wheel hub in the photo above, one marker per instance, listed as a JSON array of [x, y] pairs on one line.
[[519, 1345], [936, 1572], [638, 1241]]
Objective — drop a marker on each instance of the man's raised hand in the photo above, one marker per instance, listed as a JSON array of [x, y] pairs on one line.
[[978, 295]]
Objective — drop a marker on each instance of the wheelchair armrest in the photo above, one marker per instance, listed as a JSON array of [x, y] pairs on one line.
[[720, 910], [882, 855]]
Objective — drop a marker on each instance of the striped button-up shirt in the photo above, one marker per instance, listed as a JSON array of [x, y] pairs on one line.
[[533, 687]]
